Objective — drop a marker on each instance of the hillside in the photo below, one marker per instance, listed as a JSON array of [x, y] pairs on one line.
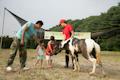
[[105, 28]]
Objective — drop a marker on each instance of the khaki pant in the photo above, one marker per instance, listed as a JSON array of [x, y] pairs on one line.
[[15, 46]]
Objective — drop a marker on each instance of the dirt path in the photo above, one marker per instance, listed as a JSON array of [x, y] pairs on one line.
[[111, 62]]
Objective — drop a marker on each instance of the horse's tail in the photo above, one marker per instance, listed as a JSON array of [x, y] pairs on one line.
[[97, 50]]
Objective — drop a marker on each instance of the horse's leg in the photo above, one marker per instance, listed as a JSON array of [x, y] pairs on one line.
[[93, 60], [78, 66], [72, 49], [102, 69], [74, 63], [74, 60], [74, 57], [77, 62], [98, 57]]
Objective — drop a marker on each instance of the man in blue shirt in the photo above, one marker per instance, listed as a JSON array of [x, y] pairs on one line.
[[27, 31]]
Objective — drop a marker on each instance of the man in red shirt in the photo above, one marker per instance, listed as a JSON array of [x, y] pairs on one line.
[[67, 33]]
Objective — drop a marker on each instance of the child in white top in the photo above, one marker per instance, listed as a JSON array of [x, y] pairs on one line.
[[40, 51]]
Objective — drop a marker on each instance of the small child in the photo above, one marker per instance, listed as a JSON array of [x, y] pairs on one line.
[[49, 51], [40, 51]]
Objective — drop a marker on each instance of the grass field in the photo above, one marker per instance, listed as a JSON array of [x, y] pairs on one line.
[[110, 59]]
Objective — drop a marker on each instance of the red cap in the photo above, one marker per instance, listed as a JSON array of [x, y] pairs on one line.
[[62, 21]]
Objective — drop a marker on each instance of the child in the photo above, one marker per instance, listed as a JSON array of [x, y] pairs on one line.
[[40, 54], [49, 51]]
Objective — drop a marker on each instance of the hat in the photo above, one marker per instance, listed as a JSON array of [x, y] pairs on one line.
[[62, 21]]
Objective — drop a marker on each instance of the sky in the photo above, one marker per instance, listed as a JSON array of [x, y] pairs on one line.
[[49, 11]]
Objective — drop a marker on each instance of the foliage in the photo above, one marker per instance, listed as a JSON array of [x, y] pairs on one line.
[[102, 23]]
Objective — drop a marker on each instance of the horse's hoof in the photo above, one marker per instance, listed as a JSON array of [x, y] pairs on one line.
[[74, 70], [91, 73], [78, 70], [104, 75]]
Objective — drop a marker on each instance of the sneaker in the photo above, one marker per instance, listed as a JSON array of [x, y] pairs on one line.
[[9, 68], [25, 68]]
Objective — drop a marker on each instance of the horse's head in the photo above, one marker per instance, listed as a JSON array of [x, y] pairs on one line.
[[57, 48]]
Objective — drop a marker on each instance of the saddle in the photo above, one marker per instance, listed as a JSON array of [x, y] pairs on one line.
[[75, 41]]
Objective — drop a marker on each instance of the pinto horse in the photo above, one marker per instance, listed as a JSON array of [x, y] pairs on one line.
[[89, 49]]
